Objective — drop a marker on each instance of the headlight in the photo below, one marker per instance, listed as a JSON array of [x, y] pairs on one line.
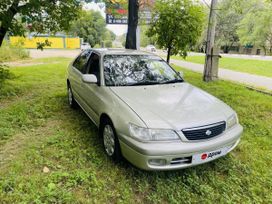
[[145, 134], [232, 120]]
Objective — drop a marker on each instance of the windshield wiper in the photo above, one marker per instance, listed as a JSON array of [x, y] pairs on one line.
[[143, 83], [172, 81]]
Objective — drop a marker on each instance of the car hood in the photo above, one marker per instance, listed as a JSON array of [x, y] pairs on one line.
[[173, 106]]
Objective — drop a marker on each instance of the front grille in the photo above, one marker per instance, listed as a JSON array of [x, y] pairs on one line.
[[204, 132]]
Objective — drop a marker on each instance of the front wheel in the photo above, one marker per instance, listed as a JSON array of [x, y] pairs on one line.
[[110, 141], [71, 101]]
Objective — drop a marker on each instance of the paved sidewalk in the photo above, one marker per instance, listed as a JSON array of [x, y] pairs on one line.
[[240, 77]]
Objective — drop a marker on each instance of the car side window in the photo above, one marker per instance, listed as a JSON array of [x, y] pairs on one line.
[[94, 66], [81, 62]]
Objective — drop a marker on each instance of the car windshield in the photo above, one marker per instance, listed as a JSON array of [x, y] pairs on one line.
[[136, 70]]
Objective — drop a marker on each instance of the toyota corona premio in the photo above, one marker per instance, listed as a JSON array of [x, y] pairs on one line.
[[147, 113]]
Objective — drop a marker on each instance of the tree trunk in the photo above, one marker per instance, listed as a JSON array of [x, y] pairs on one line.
[[264, 48], [226, 49], [3, 32], [133, 8], [168, 54], [6, 23]]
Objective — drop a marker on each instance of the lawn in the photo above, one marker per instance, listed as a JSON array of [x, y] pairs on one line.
[[11, 53], [251, 66], [38, 129]]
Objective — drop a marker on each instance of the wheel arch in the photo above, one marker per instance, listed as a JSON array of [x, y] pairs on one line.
[[103, 117], [68, 82]]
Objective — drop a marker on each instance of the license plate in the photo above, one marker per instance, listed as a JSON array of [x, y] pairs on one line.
[[209, 156]]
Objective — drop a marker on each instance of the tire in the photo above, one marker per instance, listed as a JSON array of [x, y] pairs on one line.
[[110, 141], [71, 101]]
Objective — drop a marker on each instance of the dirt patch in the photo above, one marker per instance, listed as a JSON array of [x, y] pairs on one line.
[[24, 63], [53, 53]]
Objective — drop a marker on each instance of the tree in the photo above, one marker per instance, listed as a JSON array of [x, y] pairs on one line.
[[90, 26], [133, 8], [256, 27], [176, 25], [227, 24], [145, 40], [39, 16], [108, 44], [122, 39], [109, 36]]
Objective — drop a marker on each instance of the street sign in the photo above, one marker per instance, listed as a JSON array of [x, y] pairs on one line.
[[117, 11]]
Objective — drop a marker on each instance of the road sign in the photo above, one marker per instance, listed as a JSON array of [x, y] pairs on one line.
[[117, 11]]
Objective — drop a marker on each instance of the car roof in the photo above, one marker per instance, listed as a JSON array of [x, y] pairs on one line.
[[118, 51]]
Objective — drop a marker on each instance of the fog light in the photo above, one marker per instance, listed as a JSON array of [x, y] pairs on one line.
[[157, 162]]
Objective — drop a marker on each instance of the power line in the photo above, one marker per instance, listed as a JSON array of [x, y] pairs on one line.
[[207, 4]]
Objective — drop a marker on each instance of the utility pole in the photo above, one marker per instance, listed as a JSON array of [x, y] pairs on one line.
[[211, 61]]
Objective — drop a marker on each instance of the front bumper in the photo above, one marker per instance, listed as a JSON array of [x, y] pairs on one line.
[[176, 154]]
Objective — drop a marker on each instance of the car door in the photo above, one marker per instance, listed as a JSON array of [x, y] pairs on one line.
[[91, 93], [75, 76]]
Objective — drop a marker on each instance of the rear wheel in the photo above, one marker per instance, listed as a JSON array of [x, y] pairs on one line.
[[71, 101], [110, 141]]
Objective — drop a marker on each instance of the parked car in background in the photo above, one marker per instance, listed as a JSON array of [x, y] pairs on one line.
[[85, 46], [146, 112], [151, 48]]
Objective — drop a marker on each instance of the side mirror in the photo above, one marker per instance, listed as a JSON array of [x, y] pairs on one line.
[[89, 78], [181, 74]]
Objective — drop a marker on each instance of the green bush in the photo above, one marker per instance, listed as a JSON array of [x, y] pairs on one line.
[[12, 53], [4, 74], [108, 44], [97, 46]]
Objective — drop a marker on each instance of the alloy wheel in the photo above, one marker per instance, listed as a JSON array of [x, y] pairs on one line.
[[108, 138]]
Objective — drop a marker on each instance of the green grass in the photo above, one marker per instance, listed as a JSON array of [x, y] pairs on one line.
[[11, 53], [38, 129], [251, 66]]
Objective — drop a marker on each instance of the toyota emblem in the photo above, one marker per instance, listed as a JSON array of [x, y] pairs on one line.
[[208, 132]]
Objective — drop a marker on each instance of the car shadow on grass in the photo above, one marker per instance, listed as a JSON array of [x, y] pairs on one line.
[[71, 148], [223, 166]]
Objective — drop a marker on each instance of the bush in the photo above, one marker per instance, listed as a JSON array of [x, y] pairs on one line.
[[4, 74], [97, 46], [12, 53], [108, 44]]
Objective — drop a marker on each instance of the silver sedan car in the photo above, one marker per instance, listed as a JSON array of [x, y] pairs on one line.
[[147, 113]]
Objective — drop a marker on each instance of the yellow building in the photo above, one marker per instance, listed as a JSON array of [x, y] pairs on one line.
[[56, 42]]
